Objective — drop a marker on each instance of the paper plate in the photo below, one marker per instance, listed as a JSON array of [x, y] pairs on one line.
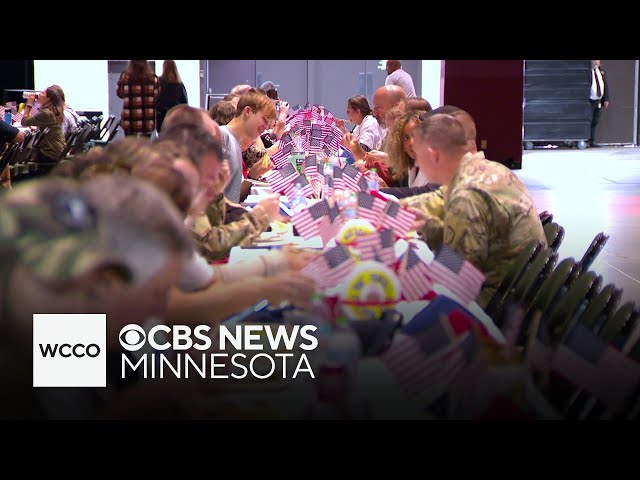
[[373, 282]]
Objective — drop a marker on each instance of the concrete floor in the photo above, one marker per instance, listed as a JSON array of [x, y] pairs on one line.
[[590, 191]]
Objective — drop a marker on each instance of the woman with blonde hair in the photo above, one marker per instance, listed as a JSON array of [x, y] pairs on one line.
[[172, 91], [401, 160]]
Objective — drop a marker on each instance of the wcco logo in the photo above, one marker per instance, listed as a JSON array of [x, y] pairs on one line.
[[69, 350]]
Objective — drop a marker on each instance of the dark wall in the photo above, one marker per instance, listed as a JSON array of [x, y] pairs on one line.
[[616, 123], [15, 74], [492, 92]]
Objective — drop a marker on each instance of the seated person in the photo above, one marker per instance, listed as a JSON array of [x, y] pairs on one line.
[[50, 116], [487, 214]]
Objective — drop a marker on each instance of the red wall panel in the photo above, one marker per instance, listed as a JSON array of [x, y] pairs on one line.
[[492, 92]]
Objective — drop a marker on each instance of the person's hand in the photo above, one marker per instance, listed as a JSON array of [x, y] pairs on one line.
[[297, 259], [360, 165], [31, 99], [292, 286], [273, 149], [421, 219], [284, 111], [260, 168], [353, 144], [605, 104], [278, 128], [270, 206], [340, 124], [373, 157], [19, 137]]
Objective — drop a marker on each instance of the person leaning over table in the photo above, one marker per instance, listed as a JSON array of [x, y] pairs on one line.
[[487, 215]]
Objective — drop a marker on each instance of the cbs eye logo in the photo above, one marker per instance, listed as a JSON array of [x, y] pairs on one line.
[[132, 337]]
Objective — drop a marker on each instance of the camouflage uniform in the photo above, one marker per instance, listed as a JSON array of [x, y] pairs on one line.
[[215, 239], [52, 230], [487, 216]]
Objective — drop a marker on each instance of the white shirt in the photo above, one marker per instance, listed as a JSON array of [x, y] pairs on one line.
[[417, 178], [403, 80], [196, 274], [594, 88], [369, 132]]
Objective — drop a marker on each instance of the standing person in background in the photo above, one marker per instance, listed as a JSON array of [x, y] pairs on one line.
[[397, 76], [599, 96], [172, 91], [139, 87], [49, 119]]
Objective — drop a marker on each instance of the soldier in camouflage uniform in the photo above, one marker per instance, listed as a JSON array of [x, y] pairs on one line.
[[112, 244], [485, 213], [215, 238], [207, 216]]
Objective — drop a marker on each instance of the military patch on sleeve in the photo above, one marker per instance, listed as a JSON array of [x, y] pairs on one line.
[[449, 235]]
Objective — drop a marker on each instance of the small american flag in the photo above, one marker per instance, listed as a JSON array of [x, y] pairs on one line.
[[281, 157], [301, 179], [350, 176], [369, 207], [429, 359], [280, 179], [16, 117], [450, 269], [338, 182], [308, 222], [329, 228], [379, 246], [316, 132], [331, 267], [397, 218], [327, 186], [413, 275], [586, 361], [311, 166]]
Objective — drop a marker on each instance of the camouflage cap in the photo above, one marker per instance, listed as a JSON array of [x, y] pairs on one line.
[[50, 227]]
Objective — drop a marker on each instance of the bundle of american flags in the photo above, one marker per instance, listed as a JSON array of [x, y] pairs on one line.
[[417, 278], [321, 183]]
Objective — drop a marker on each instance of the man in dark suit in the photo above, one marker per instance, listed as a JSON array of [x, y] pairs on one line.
[[599, 96]]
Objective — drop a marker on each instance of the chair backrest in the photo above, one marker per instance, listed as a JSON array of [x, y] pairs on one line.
[[552, 286], [105, 127], [601, 307], [558, 240], [537, 272], [561, 317], [594, 249], [617, 321], [112, 130], [69, 143], [520, 265], [546, 217], [554, 234], [7, 155]]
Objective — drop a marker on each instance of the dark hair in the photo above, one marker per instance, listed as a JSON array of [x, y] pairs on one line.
[[222, 112], [56, 102], [139, 71], [170, 72], [360, 102]]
